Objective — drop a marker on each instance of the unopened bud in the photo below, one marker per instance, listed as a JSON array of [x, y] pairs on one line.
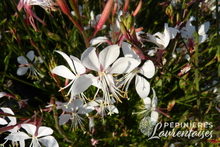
[[126, 5], [129, 21], [64, 7], [138, 8], [105, 15]]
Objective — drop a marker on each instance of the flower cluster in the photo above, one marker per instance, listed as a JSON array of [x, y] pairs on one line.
[[93, 84]]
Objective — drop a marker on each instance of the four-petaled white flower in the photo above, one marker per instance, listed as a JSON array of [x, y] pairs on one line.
[[147, 70], [101, 63], [163, 40], [150, 107], [37, 134], [188, 31], [101, 107], [74, 108], [77, 75], [25, 65]]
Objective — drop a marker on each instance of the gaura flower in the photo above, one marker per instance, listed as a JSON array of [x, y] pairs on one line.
[[188, 31], [101, 63], [77, 75], [12, 122], [147, 70], [27, 5], [150, 107], [102, 108], [74, 109], [22, 103], [7, 111], [94, 20], [25, 65], [38, 135], [163, 40]]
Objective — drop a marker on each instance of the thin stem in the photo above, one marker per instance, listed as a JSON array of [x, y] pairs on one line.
[[80, 28], [55, 115], [218, 45], [197, 61]]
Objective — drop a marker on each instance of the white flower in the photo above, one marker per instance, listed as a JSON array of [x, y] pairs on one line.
[[25, 65], [42, 132], [188, 31], [163, 40], [146, 70], [94, 20], [74, 108], [101, 63], [12, 122], [76, 76], [102, 108], [150, 107], [80, 11]]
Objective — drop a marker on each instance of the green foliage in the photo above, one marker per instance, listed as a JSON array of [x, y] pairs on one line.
[[123, 129]]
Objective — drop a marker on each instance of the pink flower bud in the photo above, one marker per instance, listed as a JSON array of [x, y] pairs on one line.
[[105, 14], [64, 7], [138, 8]]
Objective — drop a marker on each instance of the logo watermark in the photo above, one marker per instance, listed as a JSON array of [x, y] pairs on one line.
[[175, 129]]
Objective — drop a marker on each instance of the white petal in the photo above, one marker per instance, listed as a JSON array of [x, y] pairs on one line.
[[142, 86], [124, 65], [67, 58], [17, 136], [2, 94], [167, 35], [108, 55], [3, 121], [90, 59], [113, 109], [64, 118], [129, 52], [22, 70], [67, 107], [44, 131], [85, 109], [202, 38], [80, 69], [63, 71], [98, 40], [154, 100], [77, 103], [173, 32], [99, 100], [154, 117], [30, 55], [148, 69], [12, 119], [29, 128], [147, 102], [49, 141], [204, 28], [93, 103], [22, 60], [82, 83], [7, 110]]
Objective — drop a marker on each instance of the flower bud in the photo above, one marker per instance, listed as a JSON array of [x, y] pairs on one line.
[[64, 7], [105, 15], [138, 8]]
